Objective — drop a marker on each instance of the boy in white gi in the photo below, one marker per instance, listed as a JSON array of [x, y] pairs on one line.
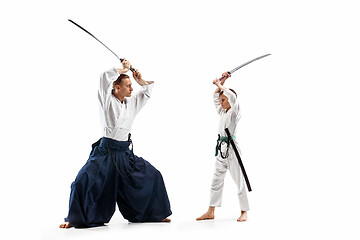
[[228, 108]]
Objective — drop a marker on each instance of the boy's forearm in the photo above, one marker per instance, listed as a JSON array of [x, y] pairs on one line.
[[220, 87]]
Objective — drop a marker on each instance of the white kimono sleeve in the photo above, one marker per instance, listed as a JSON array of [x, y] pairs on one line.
[[106, 84], [232, 99], [217, 102], [141, 97]]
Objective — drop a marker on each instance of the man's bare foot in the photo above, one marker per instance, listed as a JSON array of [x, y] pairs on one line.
[[166, 220], [208, 215], [65, 225], [243, 217]]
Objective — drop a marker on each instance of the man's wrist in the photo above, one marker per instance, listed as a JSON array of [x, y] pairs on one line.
[[143, 82], [122, 70]]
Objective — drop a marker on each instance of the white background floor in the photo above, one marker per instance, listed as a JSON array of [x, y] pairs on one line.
[[299, 133]]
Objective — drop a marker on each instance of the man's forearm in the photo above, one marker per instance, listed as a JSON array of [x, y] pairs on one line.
[[122, 70], [142, 82]]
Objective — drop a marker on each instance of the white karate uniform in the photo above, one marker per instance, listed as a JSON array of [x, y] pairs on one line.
[[228, 119], [117, 117]]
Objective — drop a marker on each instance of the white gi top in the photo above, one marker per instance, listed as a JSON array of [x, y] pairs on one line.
[[116, 117], [230, 118]]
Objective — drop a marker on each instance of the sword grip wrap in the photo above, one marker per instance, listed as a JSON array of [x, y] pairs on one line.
[[223, 77], [131, 68]]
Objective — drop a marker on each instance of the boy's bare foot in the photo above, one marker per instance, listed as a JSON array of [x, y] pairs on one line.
[[65, 225], [243, 217], [208, 215], [166, 220]]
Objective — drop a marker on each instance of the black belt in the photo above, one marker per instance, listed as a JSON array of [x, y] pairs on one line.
[[239, 159]]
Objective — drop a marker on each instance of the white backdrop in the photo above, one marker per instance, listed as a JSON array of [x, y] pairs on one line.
[[299, 132]]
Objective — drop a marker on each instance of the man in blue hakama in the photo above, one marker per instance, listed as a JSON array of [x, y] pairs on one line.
[[113, 174]]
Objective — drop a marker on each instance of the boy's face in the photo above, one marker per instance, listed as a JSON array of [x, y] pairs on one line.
[[224, 102]]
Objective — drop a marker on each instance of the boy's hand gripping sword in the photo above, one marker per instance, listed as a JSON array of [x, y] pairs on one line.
[[239, 159], [242, 65], [121, 59]]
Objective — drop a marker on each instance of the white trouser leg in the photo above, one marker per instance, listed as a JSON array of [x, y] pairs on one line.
[[237, 176], [217, 184]]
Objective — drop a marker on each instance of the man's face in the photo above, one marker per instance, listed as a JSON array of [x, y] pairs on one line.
[[125, 87], [224, 102]]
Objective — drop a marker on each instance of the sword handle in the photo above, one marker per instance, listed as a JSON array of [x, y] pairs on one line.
[[223, 77], [131, 68]]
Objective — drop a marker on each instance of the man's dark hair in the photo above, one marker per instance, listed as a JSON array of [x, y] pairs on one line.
[[119, 79]]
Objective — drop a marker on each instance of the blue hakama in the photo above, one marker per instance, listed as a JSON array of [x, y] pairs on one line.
[[133, 183]]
